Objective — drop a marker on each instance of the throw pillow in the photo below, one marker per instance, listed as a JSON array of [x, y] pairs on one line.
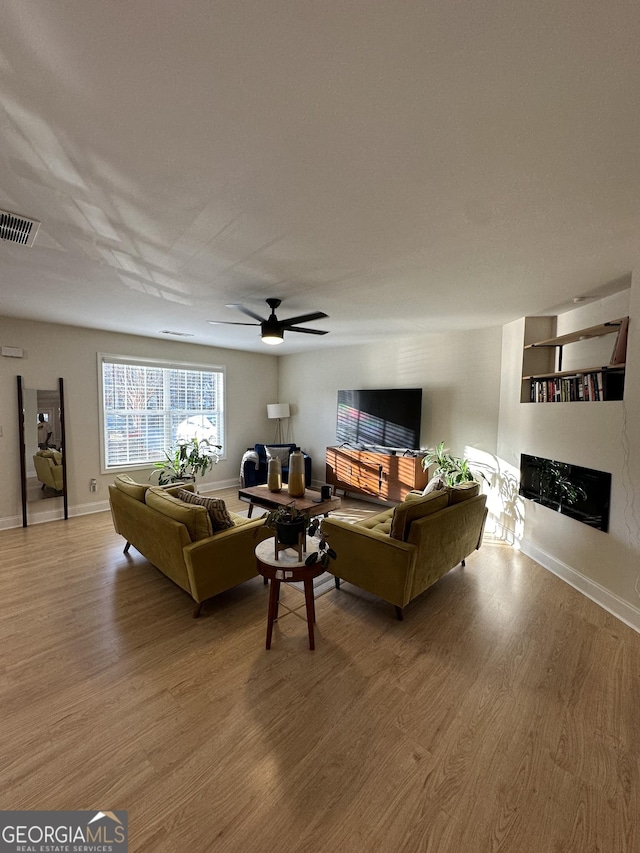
[[195, 518], [130, 487], [435, 484], [218, 513], [281, 453]]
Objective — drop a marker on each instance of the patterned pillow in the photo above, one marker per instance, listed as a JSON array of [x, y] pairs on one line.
[[218, 513], [281, 453]]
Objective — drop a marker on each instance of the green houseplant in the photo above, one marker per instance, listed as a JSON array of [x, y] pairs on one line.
[[288, 522], [185, 460], [452, 469]]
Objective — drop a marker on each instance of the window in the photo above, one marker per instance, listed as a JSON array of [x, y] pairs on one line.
[[146, 406]]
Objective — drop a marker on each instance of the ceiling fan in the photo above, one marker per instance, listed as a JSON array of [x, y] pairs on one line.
[[272, 329]]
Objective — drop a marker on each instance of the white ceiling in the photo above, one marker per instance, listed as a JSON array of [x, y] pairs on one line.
[[406, 167]]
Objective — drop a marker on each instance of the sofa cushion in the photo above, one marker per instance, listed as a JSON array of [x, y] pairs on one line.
[[195, 518], [220, 518], [462, 492], [414, 496], [380, 522], [130, 487], [409, 511], [55, 455]]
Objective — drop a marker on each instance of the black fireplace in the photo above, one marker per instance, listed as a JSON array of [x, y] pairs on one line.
[[581, 493]]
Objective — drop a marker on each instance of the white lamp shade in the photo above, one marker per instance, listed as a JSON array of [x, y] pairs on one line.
[[278, 410]]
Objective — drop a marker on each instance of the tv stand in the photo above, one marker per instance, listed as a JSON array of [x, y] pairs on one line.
[[378, 475]]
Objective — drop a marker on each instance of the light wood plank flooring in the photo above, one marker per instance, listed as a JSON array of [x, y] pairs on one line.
[[503, 714]]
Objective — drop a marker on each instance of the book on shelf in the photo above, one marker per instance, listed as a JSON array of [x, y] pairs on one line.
[[619, 354], [595, 385]]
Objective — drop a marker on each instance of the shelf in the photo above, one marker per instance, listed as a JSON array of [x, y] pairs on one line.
[[545, 381], [580, 335], [559, 374]]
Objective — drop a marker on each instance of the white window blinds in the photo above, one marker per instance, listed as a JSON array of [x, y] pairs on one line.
[[149, 406]]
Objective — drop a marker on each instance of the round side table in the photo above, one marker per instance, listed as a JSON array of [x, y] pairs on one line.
[[287, 567]]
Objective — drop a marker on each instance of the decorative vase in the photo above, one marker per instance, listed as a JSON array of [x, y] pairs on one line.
[[295, 484], [274, 475]]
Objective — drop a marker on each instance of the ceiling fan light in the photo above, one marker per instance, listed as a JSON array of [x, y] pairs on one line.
[[272, 332], [272, 338]]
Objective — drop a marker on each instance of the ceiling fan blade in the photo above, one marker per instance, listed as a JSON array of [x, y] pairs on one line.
[[246, 311], [303, 318], [230, 323], [307, 331]]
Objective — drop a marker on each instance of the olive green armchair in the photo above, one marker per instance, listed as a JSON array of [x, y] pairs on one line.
[[402, 551], [49, 471]]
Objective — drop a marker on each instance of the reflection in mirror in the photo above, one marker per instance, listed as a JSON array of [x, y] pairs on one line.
[[43, 461]]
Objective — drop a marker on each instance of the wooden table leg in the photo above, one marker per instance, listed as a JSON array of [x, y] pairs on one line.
[[311, 610], [274, 597]]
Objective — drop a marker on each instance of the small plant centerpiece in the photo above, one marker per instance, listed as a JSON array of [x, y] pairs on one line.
[[186, 460], [451, 469], [291, 525], [288, 522]]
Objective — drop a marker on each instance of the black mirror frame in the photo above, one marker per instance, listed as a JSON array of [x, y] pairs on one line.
[[23, 451]]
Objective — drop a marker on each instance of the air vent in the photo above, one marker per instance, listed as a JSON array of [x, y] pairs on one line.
[[18, 229]]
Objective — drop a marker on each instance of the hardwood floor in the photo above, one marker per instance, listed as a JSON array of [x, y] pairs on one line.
[[503, 714]]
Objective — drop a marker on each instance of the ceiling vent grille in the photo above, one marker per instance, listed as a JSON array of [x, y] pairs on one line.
[[18, 229]]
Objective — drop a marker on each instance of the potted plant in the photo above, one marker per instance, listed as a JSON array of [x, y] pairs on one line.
[[452, 469], [289, 522], [186, 460]]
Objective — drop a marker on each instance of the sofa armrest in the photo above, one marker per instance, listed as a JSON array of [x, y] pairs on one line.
[[371, 560], [225, 559]]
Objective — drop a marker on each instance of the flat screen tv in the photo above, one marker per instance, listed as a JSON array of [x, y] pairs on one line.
[[581, 493], [388, 417]]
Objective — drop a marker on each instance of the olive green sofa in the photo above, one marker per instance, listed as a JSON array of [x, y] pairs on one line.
[[178, 538], [399, 553], [49, 471]]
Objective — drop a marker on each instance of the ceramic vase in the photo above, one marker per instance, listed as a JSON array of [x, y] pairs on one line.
[[274, 475], [295, 484]]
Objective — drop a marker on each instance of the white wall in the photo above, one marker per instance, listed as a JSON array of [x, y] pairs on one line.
[[52, 351], [602, 435], [459, 374]]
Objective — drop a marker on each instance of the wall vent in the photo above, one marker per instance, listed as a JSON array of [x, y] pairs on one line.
[[18, 229]]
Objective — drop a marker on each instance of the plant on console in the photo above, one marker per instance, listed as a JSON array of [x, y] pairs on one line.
[[452, 469]]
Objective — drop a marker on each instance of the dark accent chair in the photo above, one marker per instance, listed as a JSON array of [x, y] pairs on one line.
[[256, 476]]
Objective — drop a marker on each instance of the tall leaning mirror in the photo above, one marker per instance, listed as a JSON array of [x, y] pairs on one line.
[[43, 460]]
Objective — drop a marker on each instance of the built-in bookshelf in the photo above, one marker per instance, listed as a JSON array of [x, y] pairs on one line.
[[545, 381]]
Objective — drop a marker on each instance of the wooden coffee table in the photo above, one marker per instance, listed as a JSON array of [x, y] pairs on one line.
[[311, 503]]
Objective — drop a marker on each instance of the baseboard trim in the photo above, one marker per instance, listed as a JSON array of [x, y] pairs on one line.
[[14, 521], [89, 509], [610, 602], [53, 515], [10, 522]]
